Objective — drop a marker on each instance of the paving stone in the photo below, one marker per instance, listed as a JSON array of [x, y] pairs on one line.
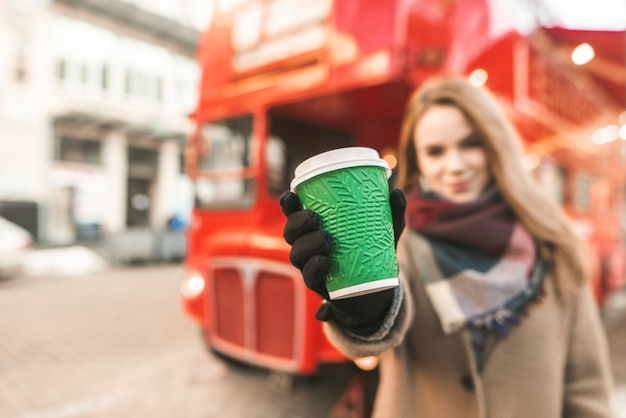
[[116, 344]]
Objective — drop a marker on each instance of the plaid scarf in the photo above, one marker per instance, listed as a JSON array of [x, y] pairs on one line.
[[485, 268]]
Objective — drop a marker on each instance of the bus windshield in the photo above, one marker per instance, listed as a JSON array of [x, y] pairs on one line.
[[225, 179]]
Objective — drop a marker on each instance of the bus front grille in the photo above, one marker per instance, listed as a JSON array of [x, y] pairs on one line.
[[256, 311]]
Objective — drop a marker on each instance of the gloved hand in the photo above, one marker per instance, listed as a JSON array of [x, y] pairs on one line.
[[310, 251]]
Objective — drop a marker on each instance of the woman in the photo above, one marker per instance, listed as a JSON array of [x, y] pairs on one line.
[[493, 317]]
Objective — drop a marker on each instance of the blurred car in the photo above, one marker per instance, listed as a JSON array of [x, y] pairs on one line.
[[15, 243]]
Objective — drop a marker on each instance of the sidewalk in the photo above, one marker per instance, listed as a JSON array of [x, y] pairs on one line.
[[65, 261]]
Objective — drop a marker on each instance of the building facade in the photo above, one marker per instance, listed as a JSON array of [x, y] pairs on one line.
[[94, 104]]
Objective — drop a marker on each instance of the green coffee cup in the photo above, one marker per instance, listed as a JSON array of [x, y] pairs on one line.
[[348, 189]]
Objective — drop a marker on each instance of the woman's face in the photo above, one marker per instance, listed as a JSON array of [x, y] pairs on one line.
[[450, 155]]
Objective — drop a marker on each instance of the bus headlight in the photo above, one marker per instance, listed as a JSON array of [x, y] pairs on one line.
[[192, 285]]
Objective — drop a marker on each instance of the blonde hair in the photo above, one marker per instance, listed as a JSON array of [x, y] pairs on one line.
[[544, 219]]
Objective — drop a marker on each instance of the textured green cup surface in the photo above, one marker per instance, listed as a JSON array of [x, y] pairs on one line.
[[353, 205]]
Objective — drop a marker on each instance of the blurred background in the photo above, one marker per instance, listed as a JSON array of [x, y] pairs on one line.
[[94, 105], [142, 141], [96, 98]]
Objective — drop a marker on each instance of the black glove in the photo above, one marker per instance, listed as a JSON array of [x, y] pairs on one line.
[[310, 253]]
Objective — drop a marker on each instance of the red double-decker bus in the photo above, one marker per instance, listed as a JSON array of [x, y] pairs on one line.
[[286, 79]]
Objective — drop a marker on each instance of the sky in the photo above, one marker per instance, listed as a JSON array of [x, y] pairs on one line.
[[575, 14], [587, 14]]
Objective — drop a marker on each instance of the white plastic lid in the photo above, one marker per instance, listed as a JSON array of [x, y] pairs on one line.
[[336, 160]]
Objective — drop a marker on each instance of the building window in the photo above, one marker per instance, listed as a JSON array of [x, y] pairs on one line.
[[105, 77], [21, 72], [61, 70], [139, 85], [82, 52], [82, 76], [142, 162], [83, 151]]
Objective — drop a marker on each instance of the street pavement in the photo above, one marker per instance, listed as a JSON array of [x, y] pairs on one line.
[[115, 344], [101, 341]]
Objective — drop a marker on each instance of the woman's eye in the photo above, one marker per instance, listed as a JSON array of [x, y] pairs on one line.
[[473, 142], [434, 151]]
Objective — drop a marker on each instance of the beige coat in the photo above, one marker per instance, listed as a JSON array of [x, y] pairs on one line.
[[554, 364]]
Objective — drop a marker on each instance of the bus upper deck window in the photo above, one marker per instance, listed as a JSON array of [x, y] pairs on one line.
[[224, 150]]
